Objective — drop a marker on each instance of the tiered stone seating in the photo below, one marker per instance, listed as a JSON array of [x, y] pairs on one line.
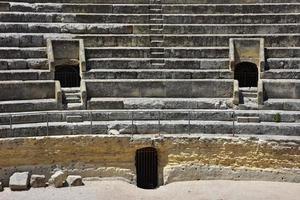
[[159, 56]]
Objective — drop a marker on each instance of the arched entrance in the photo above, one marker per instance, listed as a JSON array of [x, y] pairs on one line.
[[68, 75], [146, 168], [247, 74]]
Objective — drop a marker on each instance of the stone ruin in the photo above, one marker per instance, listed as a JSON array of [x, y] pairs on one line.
[[130, 88]]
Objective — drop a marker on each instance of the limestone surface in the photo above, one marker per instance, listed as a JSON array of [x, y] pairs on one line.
[[19, 181]]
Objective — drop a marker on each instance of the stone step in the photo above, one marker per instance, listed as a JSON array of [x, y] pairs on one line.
[[282, 74], [73, 94], [28, 105], [189, 88], [145, 63], [152, 127], [73, 100], [248, 119], [158, 103], [183, 52], [166, 9], [250, 94], [250, 100], [249, 106], [21, 64], [157, 74], [184, 2], [148, 114], [22, 53], [103, 28], [74, 118], [6, 75], [283, 63], [75, 106], [186, 40], [71, 90], [282, 104], [144, 52], [222, 63], [256, 18], [248, 89], [144, 40]]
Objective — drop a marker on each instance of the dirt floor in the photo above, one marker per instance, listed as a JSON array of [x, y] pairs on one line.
[[200, 190]]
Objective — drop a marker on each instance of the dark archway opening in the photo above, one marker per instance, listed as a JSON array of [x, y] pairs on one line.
[[146, 168], [247, 74], [68, 75]]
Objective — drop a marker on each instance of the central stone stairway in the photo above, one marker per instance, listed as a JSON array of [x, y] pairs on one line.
[[72, 98], [248, 98]]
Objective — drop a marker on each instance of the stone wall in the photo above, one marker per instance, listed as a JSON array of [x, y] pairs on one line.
[[180, 157]]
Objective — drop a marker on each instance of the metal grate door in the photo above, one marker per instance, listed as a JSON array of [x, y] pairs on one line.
[[146, 168]]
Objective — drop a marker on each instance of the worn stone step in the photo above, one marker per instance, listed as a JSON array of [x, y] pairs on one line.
[[75, 106], [248, 89], [186, 40], [72, 94], [157, 74], [184, 2], [28, 105], [250, 94], [282, 104], [183, 52], [144, 40], [283, 63], [271, 18], [225, 28], [153, 127], [103, 28], [71, 90], [22, 53], [148, 114], [249, 106], [189, 88], [74, 118], [145, 63], [167, 9], [73, 99], [157, 103], [141, 63], [282, 74], [143, 52], [248, 119], [20, 64], [6, 75]]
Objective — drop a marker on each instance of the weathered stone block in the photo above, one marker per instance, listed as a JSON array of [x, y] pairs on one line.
[[37, 181], [58, 179], [19, 181], [73, 180]]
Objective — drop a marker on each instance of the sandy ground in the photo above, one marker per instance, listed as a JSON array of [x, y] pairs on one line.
[[200, 190]]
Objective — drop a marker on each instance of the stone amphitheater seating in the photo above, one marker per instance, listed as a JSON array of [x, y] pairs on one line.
[[151, 61]]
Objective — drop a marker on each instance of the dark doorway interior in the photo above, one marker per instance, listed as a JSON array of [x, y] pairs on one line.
[[146, 168], [247, 74], [68, 75]]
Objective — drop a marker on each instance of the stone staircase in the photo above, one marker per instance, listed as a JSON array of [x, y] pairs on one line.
[[248, 98], [167, 56], [72, 98]]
